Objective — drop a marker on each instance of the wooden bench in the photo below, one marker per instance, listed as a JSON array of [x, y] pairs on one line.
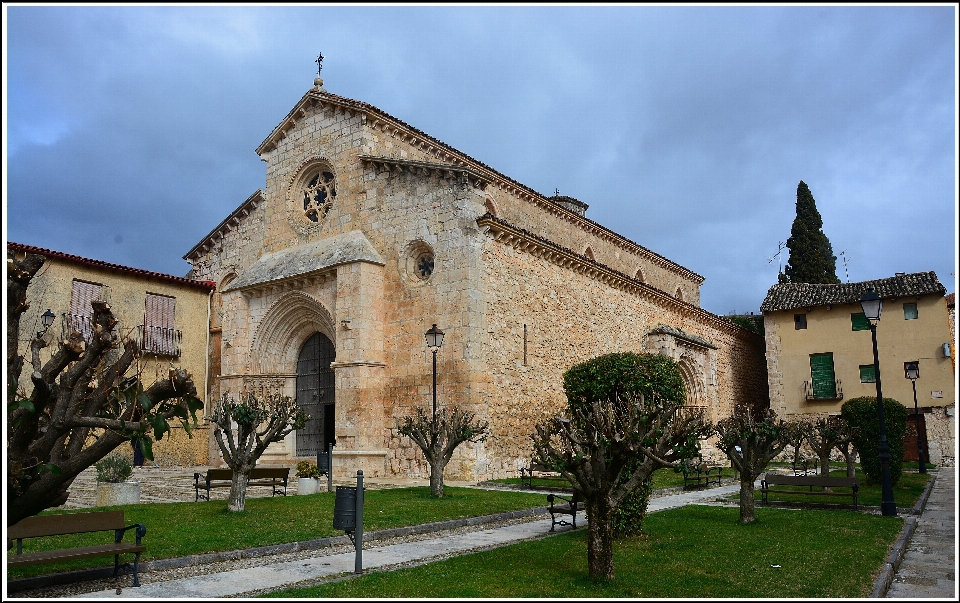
[[823, 483], [536, 470], [806, 467], [76, 523], [271, 477], [700, 476], [560, 505]]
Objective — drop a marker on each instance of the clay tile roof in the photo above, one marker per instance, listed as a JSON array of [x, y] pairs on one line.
[[108, 267], [790, 296]]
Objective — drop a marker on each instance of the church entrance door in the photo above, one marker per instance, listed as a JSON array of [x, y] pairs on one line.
[[316, 394]]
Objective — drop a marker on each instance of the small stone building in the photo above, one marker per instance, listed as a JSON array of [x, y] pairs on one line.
[[369, 231], [820, 353], [167, 315]]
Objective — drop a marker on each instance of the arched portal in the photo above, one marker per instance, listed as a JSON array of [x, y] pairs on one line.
[[316, 394]]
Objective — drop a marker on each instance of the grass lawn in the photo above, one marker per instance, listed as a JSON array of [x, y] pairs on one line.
[[690, 552], [179, 529]]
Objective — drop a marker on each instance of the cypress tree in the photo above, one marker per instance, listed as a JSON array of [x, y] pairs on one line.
[[811, 255]]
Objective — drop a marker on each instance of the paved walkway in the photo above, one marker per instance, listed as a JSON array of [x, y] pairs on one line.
[[928, 569], [922, 564]]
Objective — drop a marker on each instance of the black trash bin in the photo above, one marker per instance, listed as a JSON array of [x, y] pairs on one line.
[[345, 509]]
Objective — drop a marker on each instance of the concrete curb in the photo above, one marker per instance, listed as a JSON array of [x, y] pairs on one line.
[[892, 564], [22, 584]]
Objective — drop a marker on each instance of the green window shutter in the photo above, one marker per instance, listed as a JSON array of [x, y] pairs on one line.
[[867, 374], [910, 311], [859, 322], [822, 376]]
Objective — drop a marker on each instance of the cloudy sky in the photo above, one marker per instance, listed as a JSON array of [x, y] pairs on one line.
[[130, 132]]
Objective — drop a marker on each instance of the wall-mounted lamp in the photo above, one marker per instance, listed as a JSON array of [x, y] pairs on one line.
[[46, 319]]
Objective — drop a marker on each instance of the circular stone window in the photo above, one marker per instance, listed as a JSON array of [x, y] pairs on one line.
[[417, 263], [319, 193]]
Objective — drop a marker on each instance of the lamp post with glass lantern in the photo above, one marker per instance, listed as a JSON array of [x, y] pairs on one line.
[[434, 340], [911, 371], [872, 305], [46, 319]]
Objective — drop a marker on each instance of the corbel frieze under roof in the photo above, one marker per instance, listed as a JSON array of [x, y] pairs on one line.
[[302, 265], [228, 224], [525, 241], [680, 335], [427, 168]]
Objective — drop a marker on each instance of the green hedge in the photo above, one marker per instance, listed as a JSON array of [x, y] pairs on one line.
[[862, 415]]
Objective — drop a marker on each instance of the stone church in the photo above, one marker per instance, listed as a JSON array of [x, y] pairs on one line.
[[369, 231]]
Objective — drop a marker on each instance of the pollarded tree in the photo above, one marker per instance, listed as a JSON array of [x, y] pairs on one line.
[[811, 254], [825, 434], [245, 428], [439, 439], [759, 440], [86, 400], [623, 422]]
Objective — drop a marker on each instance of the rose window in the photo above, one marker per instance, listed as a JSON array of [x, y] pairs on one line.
[[424, 266], [318, 196]]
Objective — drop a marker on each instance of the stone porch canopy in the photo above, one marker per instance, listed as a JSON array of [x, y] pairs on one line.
[[307, 259], [788, 296]]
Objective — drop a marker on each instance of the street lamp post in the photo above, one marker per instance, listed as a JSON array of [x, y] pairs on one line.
[[46, 319], [434, 340], [872, 306], [911, 371]]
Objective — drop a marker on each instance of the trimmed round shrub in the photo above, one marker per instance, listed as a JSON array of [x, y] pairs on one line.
[[862, 415]]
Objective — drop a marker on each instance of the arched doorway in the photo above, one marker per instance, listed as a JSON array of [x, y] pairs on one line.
[[316, 394]]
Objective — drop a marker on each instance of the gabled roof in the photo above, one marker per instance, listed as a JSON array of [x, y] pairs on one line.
[[787, 296], [376, 118], [108, 267]]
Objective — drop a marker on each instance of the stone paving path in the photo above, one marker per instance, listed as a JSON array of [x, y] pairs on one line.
[[929, 566]]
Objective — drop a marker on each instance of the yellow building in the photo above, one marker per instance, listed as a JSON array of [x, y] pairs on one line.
[[167, 316], [820, 352]]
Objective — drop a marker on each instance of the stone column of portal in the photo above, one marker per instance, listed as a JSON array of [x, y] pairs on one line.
[[360, 371]]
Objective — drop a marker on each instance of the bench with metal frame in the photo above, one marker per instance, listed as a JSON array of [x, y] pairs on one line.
[[700, 476], [560, 505], [541, 472], [39, 526], [274, 478], [806, 467], [825, 485]]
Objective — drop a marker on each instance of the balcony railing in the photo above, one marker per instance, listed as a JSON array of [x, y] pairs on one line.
[[159, 340], [76, 322], [811, 395]]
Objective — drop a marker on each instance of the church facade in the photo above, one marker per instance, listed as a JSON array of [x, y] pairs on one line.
[[369, 231]]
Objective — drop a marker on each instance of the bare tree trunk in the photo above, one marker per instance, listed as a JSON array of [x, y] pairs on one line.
[[600, 540], [436, 477], [748, 499], [825, 463], [238, 490]]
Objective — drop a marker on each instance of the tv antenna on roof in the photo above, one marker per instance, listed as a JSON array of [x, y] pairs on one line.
[[780, 247], [843, 254]]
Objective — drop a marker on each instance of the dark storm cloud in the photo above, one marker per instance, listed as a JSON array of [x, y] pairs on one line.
[[131, 130]]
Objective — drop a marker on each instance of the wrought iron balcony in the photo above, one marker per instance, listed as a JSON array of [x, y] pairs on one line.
[[810, 394], [81, 324], [159, 340]]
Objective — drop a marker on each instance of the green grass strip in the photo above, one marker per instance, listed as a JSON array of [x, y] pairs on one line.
[[180, 529], [690, 552]]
